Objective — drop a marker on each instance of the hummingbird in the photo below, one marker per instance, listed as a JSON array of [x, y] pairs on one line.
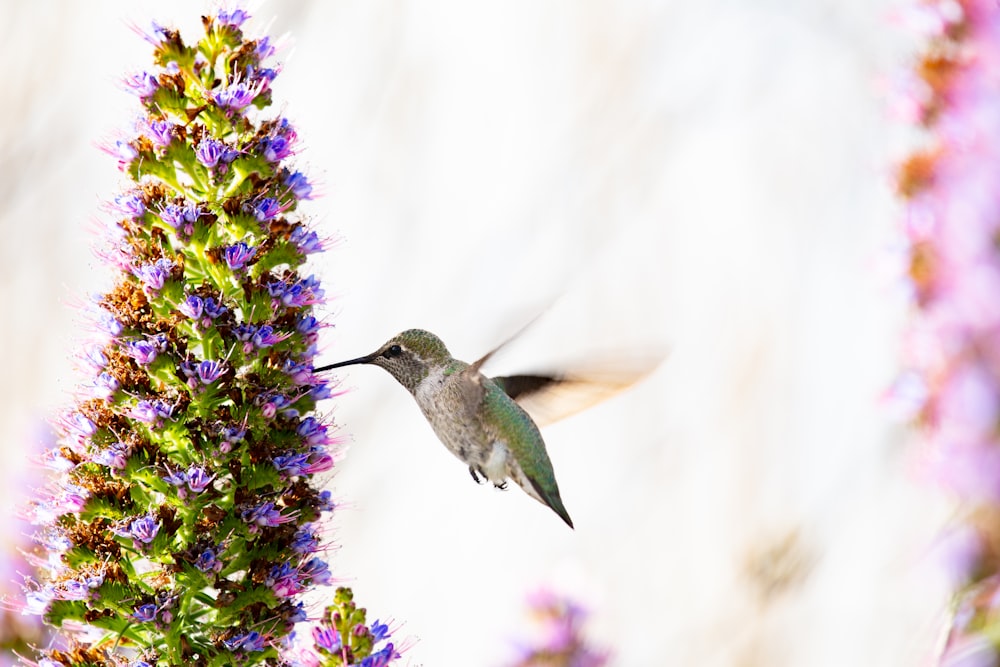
[[484, 421]]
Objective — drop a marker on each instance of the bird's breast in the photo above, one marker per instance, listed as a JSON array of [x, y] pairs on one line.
[[453, 416]]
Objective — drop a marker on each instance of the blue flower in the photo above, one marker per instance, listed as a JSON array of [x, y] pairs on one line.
[[154, 275], [210, 152], [144, 529], [238, 254], [210, 370], [237, 96], [298, 184], [234, 18], [198, 479], [142, 84], [143, 351], [145, 613], [266, 209], [326, 638], [131, 205], [192, 306]]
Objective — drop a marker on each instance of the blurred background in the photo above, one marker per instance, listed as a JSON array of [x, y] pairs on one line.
[[711, 178]]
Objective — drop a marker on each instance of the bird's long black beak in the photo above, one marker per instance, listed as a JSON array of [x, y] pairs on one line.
[[367, 359]]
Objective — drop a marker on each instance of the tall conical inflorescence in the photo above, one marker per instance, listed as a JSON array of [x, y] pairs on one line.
[[952, 221], [182, 527]]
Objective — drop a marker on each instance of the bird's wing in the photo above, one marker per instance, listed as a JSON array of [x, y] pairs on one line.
[[508, 423], [549, 397], [478, 363]]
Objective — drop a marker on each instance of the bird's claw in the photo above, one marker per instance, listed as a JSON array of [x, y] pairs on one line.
[[472, 471]]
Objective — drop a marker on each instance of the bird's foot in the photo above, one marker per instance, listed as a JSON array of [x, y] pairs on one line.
[[501, 485], [472, 471]]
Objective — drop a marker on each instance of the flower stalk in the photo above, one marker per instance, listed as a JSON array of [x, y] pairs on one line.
[[951, 189], [183, 524]]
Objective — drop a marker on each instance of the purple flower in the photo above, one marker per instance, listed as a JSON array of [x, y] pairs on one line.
[[266, 209], [264, 48], [238, 254], [177, 430], [285, 581], [326, 503], [131, 205], [94, 357], [145, 613], [213, 309], [297, 182], [107, 323], [143, 351], [266, 515], [177, 215], [234, 18], [297, 372], [307, 241], [161, 132], [237, 96], [178, 478], [379, 631], [278, 145], [293, 464], [144, 411], [104, 386], [265, 336], [326, 638], [39, 601], [73, 590], [210, 370], [250, 641], [154, 275], [125, 153], [198, 479], [151, 412], [210, 152], [276, 288], [321, 391], [72, 500], [308, 325], [303, 293], [296, 295], [192, 306], [208, 561], [113, 457], [78, 426], [142, 84], [144, 529], [385, 655], [317, 571], [319, 461], [156, 35], [254, 641], [305, 541], [313, 430]]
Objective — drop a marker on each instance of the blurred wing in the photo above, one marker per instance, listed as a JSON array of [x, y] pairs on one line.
[[549, 397], [478, 363]]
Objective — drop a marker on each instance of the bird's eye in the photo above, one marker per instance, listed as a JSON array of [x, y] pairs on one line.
[[393, 351]]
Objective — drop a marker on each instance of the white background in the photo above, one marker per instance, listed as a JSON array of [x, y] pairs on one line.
[[713, 177]]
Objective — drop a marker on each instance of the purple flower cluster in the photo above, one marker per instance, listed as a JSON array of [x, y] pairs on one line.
[[184, 517], [343, 638], [952, 224], [561, 642]]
